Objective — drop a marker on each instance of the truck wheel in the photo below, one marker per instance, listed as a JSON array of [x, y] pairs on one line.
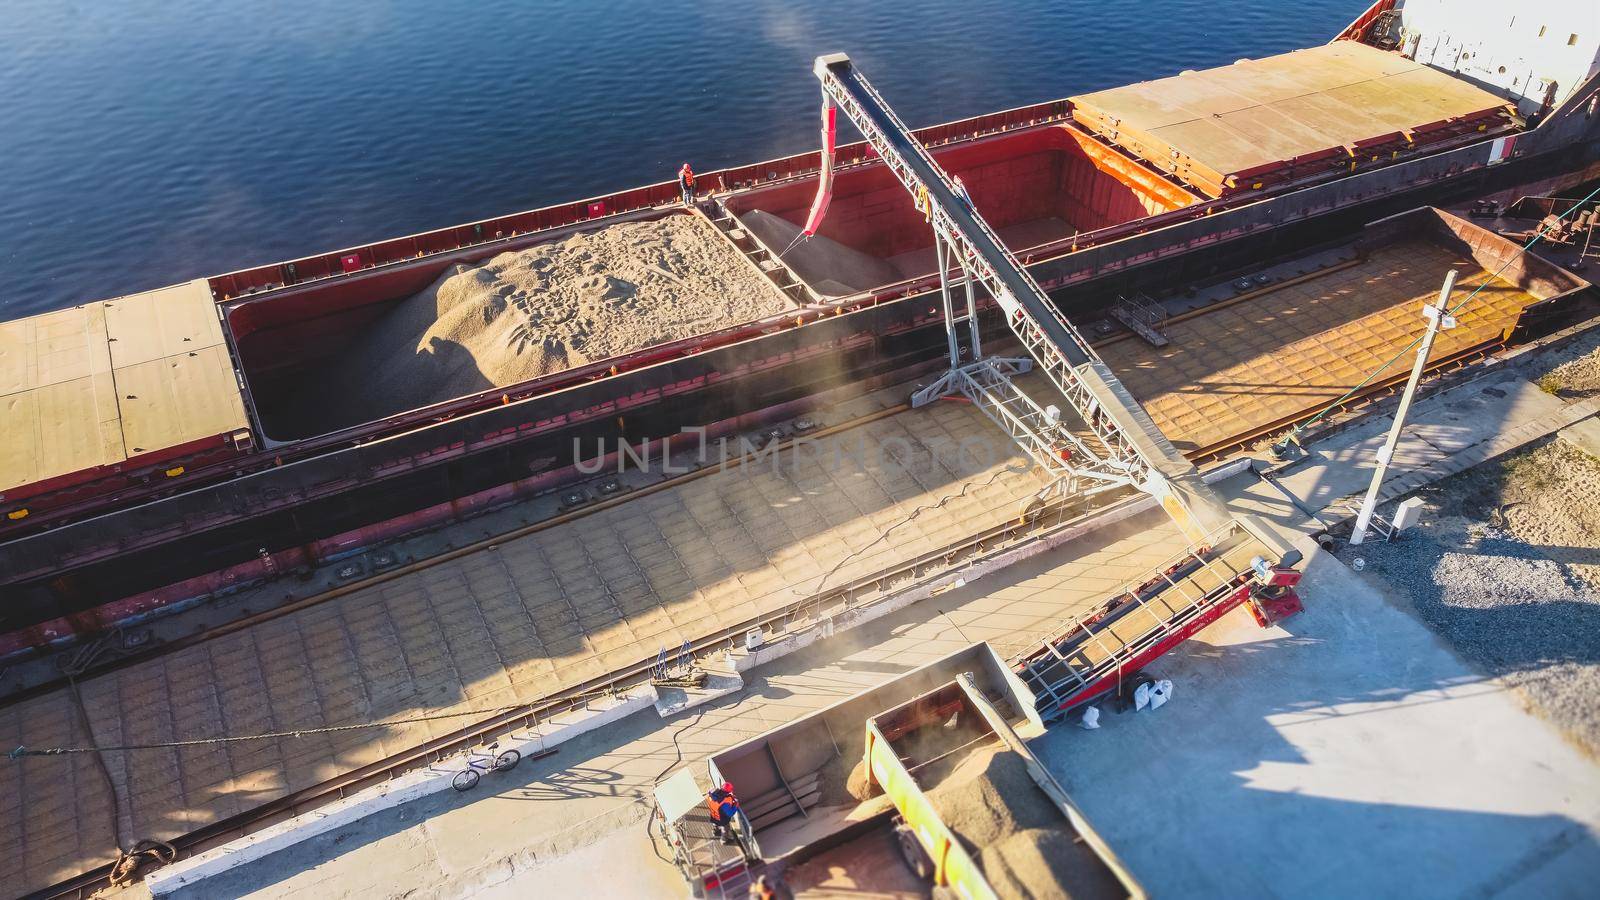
[[911, 851]]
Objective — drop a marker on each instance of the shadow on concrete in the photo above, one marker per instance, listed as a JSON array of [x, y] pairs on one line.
[[1362, 761]]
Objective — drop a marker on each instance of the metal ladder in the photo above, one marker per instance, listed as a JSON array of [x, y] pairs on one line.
[[1142, 316], [1131, 449], [714, 861], [775, 269], [1090, 654]]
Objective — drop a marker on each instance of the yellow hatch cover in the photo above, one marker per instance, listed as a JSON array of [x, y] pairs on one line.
[[99, 384]]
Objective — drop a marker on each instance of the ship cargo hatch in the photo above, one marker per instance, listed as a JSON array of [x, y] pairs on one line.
[[1262, 122], [1036, 187], [333, 355]]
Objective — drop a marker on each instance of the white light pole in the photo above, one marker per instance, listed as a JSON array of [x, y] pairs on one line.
[[1438, 317]]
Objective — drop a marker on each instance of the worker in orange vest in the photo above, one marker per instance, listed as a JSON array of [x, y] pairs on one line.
[[724, 809], [686, 184], [764, 888]]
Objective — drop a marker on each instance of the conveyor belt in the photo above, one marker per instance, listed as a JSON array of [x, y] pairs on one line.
[[1131, 439]]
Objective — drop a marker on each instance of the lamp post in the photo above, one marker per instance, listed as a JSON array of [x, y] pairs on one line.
[[1438, 316]]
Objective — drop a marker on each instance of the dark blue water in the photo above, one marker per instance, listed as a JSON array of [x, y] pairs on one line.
[[144, 142]]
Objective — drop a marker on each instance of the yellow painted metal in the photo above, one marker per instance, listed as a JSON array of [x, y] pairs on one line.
[[533, 616], [953, 866]]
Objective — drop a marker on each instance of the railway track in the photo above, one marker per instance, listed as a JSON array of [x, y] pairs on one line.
[[850, 595], [853, 595], [1375, 392]]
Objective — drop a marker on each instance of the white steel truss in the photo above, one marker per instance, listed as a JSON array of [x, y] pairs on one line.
[[963, 238]]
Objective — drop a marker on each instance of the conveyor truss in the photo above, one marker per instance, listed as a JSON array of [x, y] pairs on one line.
[[1123, 446]]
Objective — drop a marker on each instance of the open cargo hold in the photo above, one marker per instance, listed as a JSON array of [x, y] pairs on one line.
[[374, 476], [1036, 187], [934, 737], [979, 802], [113, 386], [1264, 121], [582, 298], [1308, 340]]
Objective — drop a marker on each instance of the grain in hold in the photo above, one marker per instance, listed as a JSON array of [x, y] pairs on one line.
[[1021, 841], [831, 268], [532, 312]]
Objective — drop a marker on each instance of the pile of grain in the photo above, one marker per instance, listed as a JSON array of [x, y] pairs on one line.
[[532, 312], [1021, 841], [831, 268]]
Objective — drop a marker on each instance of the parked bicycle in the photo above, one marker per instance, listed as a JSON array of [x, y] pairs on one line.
[[488, 761]]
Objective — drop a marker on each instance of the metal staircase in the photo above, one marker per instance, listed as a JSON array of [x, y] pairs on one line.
[[1142, 316], [724, 868], [1130, 449], [716, 868]]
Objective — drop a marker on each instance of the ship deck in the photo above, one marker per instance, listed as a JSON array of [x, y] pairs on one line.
[[534, 616], [1291, 349], [602, 591], [1217, 127], [108, 383]]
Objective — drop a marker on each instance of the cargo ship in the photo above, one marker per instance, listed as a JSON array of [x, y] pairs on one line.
[[170, 445]]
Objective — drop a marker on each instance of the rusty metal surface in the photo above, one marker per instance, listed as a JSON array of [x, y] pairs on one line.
[[1209, 126], [1290, 351], [537, 614]]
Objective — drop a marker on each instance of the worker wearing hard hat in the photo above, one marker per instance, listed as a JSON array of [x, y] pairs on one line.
[[766, 887], [959, 188], [724, 809]]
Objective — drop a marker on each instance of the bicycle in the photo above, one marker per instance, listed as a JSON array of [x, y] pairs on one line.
[[468, 778]]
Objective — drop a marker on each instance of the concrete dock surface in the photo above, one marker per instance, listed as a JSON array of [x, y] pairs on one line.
[[536, 615], [720, 548], [1348, 751], [534, 825]]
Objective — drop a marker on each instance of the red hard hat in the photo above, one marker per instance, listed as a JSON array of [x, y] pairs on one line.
[[727, 786]]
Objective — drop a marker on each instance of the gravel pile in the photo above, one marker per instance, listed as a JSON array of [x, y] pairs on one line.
[[1573, 372], [551, 307], [1506, 567]]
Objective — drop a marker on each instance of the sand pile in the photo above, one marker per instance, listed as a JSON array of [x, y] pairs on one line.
[[1021, 841], [831, 268], [551, 307]]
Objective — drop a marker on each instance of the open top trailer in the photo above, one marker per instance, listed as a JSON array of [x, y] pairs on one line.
[[915, 743], [853, 782]]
